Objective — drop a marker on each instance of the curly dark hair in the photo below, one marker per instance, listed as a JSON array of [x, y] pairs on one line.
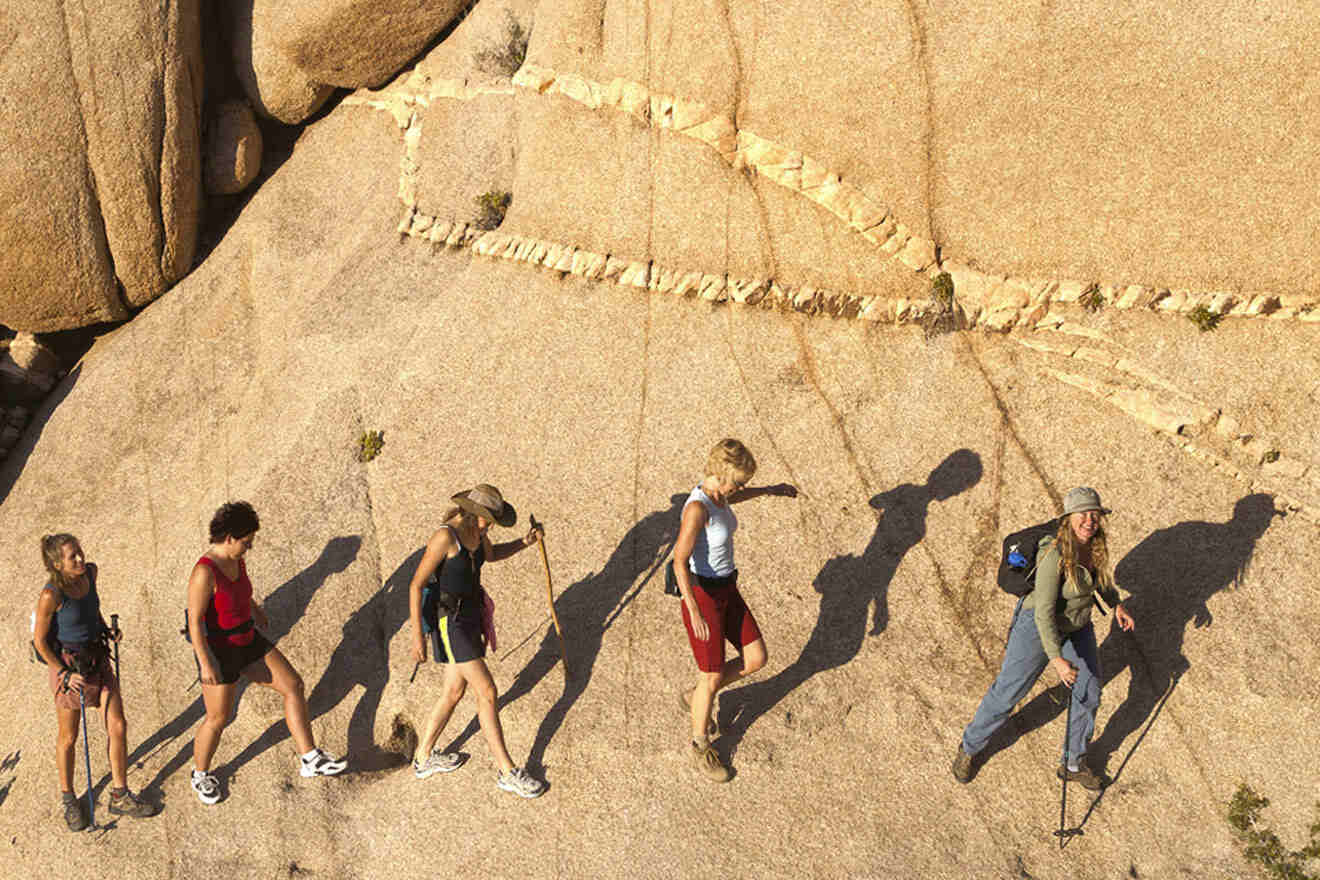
[[234, 519]]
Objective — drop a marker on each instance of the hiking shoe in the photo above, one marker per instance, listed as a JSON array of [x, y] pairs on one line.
[[75, 815], [963, 769], [521, 783], [206, 786], [712, 727], [129, 804], [1083, 776], [322, 764], [708, 763], [437, 762]]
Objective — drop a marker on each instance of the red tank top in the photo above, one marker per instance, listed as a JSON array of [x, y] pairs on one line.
[[230, 606]]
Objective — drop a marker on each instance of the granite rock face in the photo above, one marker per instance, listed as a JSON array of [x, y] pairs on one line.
[[102, 162]]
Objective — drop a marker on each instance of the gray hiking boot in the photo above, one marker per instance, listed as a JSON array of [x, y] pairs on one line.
[[964, 766], [75, 812], [129, 804], [1083, 776], [708, 763], [437, 762], [521, 783]]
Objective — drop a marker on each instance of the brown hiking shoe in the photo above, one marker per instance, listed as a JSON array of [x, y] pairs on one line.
[[963, 769], [129, 804], [1083, 776], [708, 763]]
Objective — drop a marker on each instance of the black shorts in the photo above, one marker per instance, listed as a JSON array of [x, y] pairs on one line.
[[458, 639], [233, 659]]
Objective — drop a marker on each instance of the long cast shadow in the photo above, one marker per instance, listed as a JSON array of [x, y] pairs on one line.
[[849, 585], [361, 658], [284, 607], [587, 608], [1170, 577]]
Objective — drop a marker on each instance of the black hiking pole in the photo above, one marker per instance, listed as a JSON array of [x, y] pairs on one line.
[[114, 632], [1064, 833], [87, 756]]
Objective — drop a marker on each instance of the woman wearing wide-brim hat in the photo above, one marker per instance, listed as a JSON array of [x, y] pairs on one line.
[[446, 593], [1052, 626]]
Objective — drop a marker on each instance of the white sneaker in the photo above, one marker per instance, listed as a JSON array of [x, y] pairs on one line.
[[206, 786], [520, 783], [437, 762], [322, 764]]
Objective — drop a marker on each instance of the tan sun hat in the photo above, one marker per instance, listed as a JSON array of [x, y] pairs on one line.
[[485, 500], [1082, 499]]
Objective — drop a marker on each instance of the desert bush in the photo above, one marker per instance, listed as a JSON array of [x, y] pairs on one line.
[[1204, 319], [491, 207], [370, 445], [1262, 846]]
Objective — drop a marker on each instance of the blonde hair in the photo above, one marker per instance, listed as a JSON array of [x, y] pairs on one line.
[[1066, 540], [52, 556], [730, 461]]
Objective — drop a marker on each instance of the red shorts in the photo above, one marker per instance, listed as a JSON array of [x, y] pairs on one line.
[[727, 617], [102, 680]]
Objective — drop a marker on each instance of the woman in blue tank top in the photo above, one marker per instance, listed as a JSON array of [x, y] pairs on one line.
[[67, 631], [713, 609]]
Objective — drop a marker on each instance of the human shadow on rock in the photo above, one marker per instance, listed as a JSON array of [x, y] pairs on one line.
[[283, 607], [587, 609], [1170, 577], [849, 586]]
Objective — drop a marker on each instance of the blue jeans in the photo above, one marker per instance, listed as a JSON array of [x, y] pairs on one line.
[[1024, 661]]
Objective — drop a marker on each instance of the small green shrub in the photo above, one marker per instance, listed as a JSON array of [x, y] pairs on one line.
[[1271, 456], [491, 207], [506, 55], [370, 445], [1262, 846], [942, 316], [1204, 319], [1091, 299]]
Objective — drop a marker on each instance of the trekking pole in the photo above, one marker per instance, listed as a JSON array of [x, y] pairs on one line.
[[114, 631], [87, 756], [1064, 833], [550, 593], [416, 666]]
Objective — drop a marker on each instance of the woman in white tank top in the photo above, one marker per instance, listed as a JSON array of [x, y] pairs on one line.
[[713, 609]]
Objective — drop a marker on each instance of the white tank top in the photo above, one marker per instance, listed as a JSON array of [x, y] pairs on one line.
[[712, 553]]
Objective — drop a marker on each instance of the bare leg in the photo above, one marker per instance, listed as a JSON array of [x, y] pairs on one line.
[[116, 728], [751, 660], [274, 671], [478, 676], [219, 702], [64, 743], [454, 686]]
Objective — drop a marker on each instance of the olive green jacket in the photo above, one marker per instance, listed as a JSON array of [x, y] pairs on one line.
[[1069, 600]]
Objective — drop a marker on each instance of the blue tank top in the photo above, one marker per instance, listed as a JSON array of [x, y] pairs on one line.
[[78, 621], [712, 553]]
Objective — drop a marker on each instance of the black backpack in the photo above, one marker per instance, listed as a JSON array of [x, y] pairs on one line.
[[1017, 563]]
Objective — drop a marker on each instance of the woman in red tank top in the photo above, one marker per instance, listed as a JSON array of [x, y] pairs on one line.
[[222, 625]]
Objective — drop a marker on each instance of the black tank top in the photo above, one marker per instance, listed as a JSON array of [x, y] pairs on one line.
[[460, 575]]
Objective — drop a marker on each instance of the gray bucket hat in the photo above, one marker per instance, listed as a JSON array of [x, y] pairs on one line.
[[1082, 499], [485, 500]]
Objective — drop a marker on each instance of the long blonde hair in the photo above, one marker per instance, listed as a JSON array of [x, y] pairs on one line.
[[1066, 540], [52, 556]]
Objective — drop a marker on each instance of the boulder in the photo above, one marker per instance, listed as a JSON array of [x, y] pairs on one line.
[[272, 82], [233, 148], [353, 43], [101, 157]]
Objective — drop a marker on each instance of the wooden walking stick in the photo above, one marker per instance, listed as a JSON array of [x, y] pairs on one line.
[[550, 593]]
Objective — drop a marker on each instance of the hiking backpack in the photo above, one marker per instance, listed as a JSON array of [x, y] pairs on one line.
[[1017, 563]]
